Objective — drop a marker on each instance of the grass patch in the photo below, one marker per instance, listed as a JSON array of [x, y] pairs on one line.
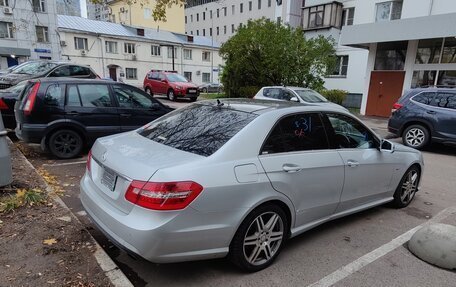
[[22, 197], [354, 111], [211, 96]]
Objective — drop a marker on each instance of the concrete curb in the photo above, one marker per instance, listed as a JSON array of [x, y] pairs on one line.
[[109, 267]]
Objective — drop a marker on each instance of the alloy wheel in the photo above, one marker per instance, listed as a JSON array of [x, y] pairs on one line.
[[171, 96], [65, 144], [415, 137], [263, 238], [409, 186]]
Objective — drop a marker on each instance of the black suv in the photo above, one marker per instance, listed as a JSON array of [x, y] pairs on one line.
[[423, 115], [44, 69], [65, 114]]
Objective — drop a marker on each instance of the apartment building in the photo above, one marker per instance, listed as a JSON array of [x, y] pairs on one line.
[[69, 7], [28, 30], [126, 53], [219, 19], [386, 47], [99, 12]]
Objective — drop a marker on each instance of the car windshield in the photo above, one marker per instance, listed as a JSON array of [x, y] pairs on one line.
[[17, 88], [176, 78], [198, 129], [311, 96], [35, 68]]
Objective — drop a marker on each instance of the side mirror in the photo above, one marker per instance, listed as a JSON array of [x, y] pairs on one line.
[[386, 146], [294, 99]]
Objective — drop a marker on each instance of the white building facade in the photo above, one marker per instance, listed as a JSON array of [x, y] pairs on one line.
[[28, 30], [100, 12], [69, 7], [386, 47], [126, 53], [219, 19]]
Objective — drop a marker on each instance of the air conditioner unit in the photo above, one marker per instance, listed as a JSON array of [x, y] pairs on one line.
[[7, 10], [63, 43], [83, 52], [198, 73]]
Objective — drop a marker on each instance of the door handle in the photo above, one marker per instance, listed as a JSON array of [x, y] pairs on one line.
[[125, 115], [291, 168], [352, 163], [430, 112], [73, 113]]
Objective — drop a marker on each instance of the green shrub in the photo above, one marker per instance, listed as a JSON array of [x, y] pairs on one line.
[[248, 92], [335, 96]]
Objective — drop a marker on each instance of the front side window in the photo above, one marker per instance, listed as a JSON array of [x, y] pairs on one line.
[[80, 43], [79, 71], [176, 78], [387, 11], [129, 48], [94, 95], [131, 98], [131, 73], [6, 30], [42, 34], [63, 71], [444, 100], [347, 132], [197, 129], [301, 132], [111, 47]]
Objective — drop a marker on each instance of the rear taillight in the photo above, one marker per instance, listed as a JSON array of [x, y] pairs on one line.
[[28, 107], [3, 106], [89, 161], [396, 107], [163, 195]]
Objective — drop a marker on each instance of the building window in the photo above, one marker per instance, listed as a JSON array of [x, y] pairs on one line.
[[197, 17], [204, 32], [80, 43], [131, 73], [188, 75], [387, 11], [224, 30], [322, 16], [206, 56], [224, 11], [42, 34], [204, 16], [347, 16], [250, 5], [206, 77], [6, 30], [241, 8], [39, 6], [341, 66], [129, 48], [210, 14], [148, 13], [269, 3], [197, 32], [170, 52], [436, 51], [185, 19], [218, 13], [187, 54], [232, 29], [390, 55], [449, 51], [233, 8], [431, 78], [191, 32], [210, 32], [191, 18], [111, 47], [4, 3], [259, 4], [155, 50], [218, 31]]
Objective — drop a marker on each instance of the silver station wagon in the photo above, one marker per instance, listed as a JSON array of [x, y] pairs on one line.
[[237, 178]]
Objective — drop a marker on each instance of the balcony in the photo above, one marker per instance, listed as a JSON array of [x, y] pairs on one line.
[[323, 16]]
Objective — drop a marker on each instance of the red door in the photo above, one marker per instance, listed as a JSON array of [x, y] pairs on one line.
[[385, 89]]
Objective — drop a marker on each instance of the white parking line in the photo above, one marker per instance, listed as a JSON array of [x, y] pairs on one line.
[[370, 257], [65, 163]]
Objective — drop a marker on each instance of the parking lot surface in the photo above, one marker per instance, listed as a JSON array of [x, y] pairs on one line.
[[365, 249]]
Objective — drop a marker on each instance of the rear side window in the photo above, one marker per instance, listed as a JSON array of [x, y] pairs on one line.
[[297, 133], [197, 129], [444, 100], [78, 71], [94, 95], [63, 71], [424, 98], [73, 99], [272, 93], [54, 95]]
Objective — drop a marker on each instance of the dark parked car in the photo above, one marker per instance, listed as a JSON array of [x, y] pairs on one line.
[[211, 88], [65, 114], [8, 98], [44, 69], [424, 115]]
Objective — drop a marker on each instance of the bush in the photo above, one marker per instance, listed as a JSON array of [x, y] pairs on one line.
[[248, 92], [335, 96]]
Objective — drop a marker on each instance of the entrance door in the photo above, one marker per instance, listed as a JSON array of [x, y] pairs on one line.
[[385, 89], [113, 73]]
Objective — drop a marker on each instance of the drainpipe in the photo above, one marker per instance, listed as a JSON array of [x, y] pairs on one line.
[[182, 59], [102, 56], [431, 4]]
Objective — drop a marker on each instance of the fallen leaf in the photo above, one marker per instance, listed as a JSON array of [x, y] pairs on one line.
[[50, 241]]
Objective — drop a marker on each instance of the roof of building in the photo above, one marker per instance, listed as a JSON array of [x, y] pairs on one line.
[[113, 29]]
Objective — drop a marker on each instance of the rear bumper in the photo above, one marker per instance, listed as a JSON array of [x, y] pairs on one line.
[[30, 133], [159, 236], [9, 120], [394, 126]]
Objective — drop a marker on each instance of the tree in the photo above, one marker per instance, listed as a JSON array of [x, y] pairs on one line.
[[265, 53], [159, 11]]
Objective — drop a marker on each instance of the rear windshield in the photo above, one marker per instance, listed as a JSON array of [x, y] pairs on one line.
[[198, 129]]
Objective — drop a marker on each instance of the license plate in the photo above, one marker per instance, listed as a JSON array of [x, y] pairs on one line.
[[192, 91], [109, 179]]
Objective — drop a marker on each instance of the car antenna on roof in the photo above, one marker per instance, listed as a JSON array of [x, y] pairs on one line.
[[219, 103]]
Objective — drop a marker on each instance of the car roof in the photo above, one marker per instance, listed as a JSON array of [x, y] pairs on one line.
[[264, 106], [286, 87], [73, 80], [433, 89]]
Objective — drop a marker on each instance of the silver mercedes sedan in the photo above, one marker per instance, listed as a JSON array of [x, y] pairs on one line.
[[237, 178]]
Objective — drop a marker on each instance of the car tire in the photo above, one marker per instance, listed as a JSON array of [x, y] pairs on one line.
[[65, 144], [407, 188], [193, 99], [416, 136], [252, 248], [205, 90], [149, 91], [171, 95]]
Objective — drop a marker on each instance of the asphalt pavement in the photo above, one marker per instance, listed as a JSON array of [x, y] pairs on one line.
[[365, 249]]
